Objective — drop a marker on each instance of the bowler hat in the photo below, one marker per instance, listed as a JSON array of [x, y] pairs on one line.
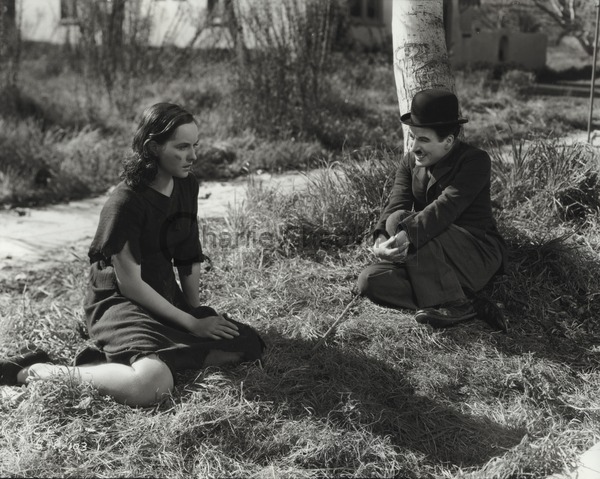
[[433, 107]]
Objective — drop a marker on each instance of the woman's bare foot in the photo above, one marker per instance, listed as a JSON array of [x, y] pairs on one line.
[[38, 371]]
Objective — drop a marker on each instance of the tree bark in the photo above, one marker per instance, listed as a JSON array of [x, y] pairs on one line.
[[114, 29], [234, 23], [10, 45], [420, 54]]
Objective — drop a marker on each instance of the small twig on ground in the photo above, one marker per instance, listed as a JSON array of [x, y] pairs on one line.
[[336, 323]]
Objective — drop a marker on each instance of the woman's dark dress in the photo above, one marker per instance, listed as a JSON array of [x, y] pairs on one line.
[[162, 232]]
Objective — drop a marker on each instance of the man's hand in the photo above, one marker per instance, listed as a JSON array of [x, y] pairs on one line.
[[214, 327], [393, 249]]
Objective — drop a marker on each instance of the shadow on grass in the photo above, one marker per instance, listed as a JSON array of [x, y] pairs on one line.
[[356, 392], [551, 300]]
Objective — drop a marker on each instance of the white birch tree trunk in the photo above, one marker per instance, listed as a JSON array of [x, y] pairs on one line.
[[420, 54]]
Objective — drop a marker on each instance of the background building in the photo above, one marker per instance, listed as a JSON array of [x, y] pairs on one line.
[[200, 23]]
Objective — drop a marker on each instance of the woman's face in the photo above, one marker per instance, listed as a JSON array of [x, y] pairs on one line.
[[177, 155]]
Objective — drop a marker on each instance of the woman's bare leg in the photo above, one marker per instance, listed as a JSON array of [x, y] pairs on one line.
[[143, 383]]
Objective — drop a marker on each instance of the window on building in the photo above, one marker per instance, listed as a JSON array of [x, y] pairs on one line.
[[68, 11], [366, 11]]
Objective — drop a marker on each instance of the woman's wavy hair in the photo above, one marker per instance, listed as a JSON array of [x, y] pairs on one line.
[[158, 124]]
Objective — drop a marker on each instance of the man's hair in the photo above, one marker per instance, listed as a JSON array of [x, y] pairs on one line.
[[443, 131]]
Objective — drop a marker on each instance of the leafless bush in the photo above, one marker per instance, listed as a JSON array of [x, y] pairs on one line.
[[282, 62], [113, 51]]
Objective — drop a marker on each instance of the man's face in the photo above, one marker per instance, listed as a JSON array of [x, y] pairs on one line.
[[427, 147]]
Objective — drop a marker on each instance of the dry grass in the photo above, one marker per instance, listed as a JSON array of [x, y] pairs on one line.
[[384, 397]]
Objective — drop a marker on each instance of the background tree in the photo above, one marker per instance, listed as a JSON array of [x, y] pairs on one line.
[[115, 16], [575, 18], [556, 18], [420, 53], [236, 30], [10, 44]]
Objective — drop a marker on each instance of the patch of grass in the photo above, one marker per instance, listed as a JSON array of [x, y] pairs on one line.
[[548, 175], [338, 208], [383, 397], [44, 166], [498, 113]]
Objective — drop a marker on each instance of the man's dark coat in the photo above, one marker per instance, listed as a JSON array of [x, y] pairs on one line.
[[456, 190]]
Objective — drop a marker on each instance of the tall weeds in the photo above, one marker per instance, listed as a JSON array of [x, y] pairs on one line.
[[113, 52], [282, 83], [338, 208], [43, 166], [547, 180]]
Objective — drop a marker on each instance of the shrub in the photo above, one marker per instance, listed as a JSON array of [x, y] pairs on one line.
[[547, 180], [345, 124], [338, 208], [343, 203], [214, 160], [284, 155], [41, 166], [517, 80], [113, 55], [281, 83]]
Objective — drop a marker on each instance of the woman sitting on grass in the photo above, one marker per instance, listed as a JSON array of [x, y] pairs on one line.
[[145, 326]]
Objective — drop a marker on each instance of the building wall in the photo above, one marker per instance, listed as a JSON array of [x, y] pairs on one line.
[[507, 47], [176, 22], [40, 21], [465, 45], [371, 34]]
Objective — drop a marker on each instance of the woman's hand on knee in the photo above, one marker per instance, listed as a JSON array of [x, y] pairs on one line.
[[214, 327]]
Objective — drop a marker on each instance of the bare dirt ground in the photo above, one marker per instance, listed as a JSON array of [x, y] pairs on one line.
[[30, 237]]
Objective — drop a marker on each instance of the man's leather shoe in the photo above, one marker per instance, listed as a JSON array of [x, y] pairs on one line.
[[446, 314]]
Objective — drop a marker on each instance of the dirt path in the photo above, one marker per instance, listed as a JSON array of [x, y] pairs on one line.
[[29, 235]]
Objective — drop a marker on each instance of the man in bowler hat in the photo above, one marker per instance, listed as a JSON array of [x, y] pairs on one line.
[[436, 239]]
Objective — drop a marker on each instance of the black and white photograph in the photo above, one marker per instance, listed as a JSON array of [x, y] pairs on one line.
[[300, 239]]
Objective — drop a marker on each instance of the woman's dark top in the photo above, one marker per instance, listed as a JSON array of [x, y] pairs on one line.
[[162, 232]]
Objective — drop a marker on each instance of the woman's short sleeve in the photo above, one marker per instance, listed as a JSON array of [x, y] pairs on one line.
[[190, 250], [121, 221]]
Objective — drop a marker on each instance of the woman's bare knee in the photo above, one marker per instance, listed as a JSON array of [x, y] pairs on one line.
[[152, 381]]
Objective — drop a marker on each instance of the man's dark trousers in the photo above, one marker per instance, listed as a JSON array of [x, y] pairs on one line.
[[437, 273]]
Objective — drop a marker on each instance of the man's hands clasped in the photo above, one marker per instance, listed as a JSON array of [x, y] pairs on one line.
[[393, 249]]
